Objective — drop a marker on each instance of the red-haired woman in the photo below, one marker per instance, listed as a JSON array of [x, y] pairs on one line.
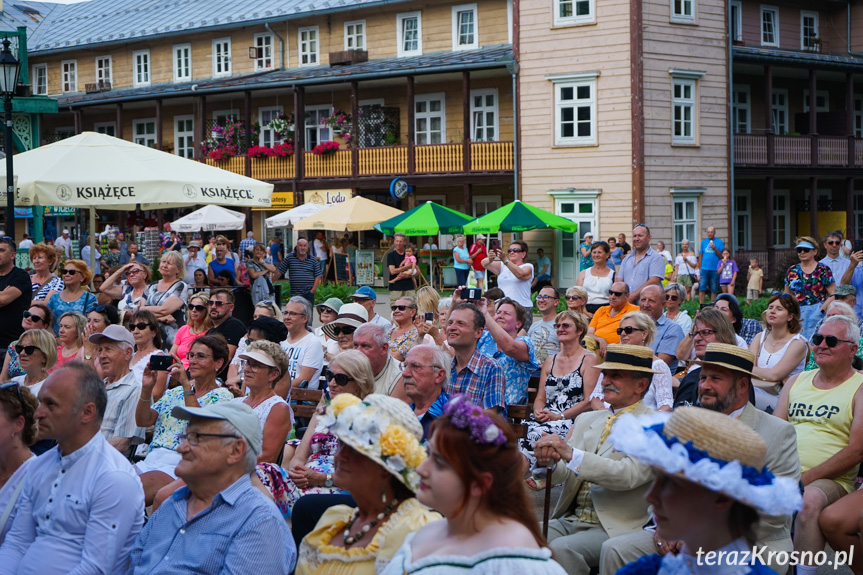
[[490, 526]]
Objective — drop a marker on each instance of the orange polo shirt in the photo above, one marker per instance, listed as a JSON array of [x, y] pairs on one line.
[[606, 326]]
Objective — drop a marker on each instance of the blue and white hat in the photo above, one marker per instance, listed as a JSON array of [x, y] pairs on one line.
[[711, 449]]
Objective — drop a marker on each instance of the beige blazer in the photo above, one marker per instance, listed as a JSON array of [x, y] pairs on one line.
[[619, 482]]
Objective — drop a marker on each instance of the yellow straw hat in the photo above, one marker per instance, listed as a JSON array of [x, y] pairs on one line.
[[728, 356], [628, 358]]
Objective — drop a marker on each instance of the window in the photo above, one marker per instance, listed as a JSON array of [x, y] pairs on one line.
[[141, 72], [575, 109], [265, 116], [107, 128], [222, 57], [822, 100], [70, 75], [317, 131], [264, 48], [355, 35], [568, 12], [736, 21], [183, 63], [858, 214], [63, 133], [409, 34], [742, 109], [684, 109], [103, 71], [685, 212], [144, 132], [808, 30], [780, 112], [430, 118], [184, 136], [858, 118], [743, 215], [683, 11], [464, 27], [483, 113], [781, 219], [308, 38], [221, 117], [769, 26], [40, 80]]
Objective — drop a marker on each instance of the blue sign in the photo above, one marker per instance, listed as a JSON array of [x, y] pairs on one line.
[[399, 189]]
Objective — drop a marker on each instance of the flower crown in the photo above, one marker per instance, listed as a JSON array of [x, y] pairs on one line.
[[465, 415]]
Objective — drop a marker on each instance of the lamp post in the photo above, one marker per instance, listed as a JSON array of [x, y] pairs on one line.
[[9, 69]]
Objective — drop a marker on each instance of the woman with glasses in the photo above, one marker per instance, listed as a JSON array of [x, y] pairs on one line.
[[262, 328], [74, 296], [638, 328], [167, 298], [37, 354], [565, 384], [429, 332], [675, 295], [514, 275], [71, 338], [259, 273], [686, 268], [576, 301], [131, 295], [17, 406], [812, 283], [97, 321], [43, 259], [206, 358], [148, 341], [327, 313], [597, 279], [404, 335], [37, 317], [198, 324], [310, 468], [98, 281]]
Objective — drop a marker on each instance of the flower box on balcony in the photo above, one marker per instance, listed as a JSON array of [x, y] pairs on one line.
[[347, 57]]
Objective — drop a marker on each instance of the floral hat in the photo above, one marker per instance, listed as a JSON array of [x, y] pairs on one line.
[[382, 428], [711, 449]]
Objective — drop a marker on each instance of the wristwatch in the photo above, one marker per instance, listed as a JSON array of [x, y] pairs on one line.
[[328, 482], [189, 392]]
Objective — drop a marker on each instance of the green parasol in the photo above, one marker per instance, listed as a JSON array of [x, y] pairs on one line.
[[428, 219], [518, 217]]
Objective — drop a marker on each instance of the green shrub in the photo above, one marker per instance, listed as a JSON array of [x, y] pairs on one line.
[[341, 291]]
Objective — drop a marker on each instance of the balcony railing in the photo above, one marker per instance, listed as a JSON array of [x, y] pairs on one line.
[[770, 150], [491, 157]]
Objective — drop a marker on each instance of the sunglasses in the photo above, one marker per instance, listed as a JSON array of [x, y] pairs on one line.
[[341, 379], [399, 307], [545, 297], [514, 250], [830, 340], [197, 307], [557, 326], [344, 329], [17, 387], [834, 243], [616, 293], [217, 303], [628, 330], [670, 297], [804, 250], [34, 317], [70, 272], [28, 349], [572, 297], [139, 326]]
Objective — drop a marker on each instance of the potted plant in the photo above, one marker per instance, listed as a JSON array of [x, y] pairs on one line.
[[338, 121], [260, 152], [325, 149], [283, 150], [283, 126]]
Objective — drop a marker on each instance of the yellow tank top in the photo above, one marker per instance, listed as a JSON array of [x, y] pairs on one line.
[[822, 420]]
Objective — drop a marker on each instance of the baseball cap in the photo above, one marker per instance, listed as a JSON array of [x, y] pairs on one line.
[[65, 231], [237, 414], [846, 290], [480, 237], [365, 292], [115, 333]]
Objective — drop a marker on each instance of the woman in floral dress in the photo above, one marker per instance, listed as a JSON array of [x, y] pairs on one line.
[[812, 283]]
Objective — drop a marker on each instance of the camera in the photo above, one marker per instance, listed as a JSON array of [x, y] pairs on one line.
[[161, 362], [471, 294]]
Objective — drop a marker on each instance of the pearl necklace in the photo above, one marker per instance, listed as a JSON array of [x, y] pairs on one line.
[[351, 539]]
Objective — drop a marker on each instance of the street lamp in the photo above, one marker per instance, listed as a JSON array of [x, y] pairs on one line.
[[9, 69]]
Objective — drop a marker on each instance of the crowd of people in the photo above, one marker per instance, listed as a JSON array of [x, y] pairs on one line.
[[145, 429]]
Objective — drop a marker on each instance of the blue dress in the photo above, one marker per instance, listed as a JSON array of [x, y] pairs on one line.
[[84, 304]]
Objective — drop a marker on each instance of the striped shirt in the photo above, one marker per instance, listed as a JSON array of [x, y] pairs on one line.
[[481, 380], [301, 273]]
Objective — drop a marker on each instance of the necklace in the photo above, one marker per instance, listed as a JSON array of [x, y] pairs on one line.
[[259, 402], [351, 539]]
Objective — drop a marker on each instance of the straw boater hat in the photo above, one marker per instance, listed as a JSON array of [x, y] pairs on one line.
[[350, 314], [382, 428], [728, 356], [711, 449], [628, 358]]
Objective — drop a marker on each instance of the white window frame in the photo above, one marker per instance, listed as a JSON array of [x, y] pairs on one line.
[[267, 136], [428, 115], [679, 11], [109, 128], [575, 81], [818, 94], [457, 11], [738, 107], [146, 137], [306, 56], [222, 57], [36, 88], [69, 76], [779, 128], [786, 213], [141, 68], [771, 10], [746, 228], [267, 52], [736, 21], [484, 109], [103, 71], [586, 223], [400, 19], [509, 21], [323, 133], [858, 118], [355, 39], [575, 19], [804, 14], [684, 78], [178, 134], [684, 196], [177, 53]]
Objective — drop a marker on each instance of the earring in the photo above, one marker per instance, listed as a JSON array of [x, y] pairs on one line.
[[383, 496]]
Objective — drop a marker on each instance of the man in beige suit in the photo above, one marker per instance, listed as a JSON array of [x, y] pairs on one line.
[[603, 492], [724, 387]]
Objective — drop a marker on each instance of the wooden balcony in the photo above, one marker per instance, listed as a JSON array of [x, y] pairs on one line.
[[483, 157], [768, 150]]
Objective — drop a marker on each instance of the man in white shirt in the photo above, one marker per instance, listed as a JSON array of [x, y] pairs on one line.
[[82, 504], [834, 260], [26, 243], [371, 339], [195, 260], [85, 256], [305, 354], [65, 242]]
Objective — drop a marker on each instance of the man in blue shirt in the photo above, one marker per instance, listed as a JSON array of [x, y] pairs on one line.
[[668, 333], [219, 522], [643, 266], [709, 255]]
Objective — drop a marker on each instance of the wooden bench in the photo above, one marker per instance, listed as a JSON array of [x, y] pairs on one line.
[[304, 402], [519, 414]]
